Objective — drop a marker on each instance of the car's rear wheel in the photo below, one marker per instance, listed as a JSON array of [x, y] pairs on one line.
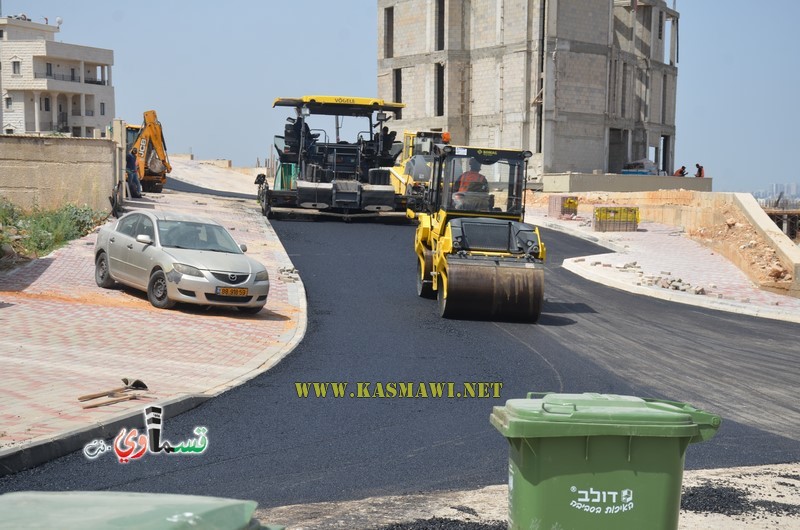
[[101, 273], [157, 290], [249, 310]]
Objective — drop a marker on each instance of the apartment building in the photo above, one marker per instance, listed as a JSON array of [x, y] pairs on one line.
[[51, 87], [586, 85]]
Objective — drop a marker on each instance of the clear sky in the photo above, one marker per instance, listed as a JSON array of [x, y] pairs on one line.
[[212, 69]]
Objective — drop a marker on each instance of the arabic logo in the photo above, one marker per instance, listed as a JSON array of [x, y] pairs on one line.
[[130, 445]]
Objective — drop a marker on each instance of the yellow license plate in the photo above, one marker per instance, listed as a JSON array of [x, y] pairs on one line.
[[231, 291]]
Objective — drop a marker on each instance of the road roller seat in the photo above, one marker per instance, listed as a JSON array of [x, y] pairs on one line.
[[472, 200]]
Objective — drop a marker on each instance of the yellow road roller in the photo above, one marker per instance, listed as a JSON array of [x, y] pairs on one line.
[[474, 252]]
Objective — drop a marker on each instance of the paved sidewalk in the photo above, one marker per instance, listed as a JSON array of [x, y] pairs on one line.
[[65, 337], [659, 255]]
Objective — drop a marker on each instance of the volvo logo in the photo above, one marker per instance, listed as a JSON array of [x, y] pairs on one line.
[[233, 277]]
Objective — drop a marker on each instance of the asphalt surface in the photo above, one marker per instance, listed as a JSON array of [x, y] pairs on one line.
[[365, 324]]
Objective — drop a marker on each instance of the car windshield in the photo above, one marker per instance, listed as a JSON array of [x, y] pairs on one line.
[[196, 236]]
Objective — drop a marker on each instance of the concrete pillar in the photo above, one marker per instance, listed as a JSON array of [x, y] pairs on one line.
[[36, 96], [108, 68], [83, 113], [54, 111]]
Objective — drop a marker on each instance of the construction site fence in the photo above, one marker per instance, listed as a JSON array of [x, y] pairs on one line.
[[615, 218], [561, 206]]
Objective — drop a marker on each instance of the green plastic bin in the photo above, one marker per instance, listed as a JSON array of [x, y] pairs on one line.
[[119, 510], [595, 461]]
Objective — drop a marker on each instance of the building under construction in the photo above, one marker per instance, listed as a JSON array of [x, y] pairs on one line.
[[587, 85]]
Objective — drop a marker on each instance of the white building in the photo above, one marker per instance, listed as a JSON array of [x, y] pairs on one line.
[[48, 86]]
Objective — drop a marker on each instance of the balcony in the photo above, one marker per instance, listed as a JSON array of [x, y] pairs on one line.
[[96, 81], [57, 77]]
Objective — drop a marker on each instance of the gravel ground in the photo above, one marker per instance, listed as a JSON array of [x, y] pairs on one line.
[[726, 499]]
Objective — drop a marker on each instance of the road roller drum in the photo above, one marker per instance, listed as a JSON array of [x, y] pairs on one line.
[[497, 289]]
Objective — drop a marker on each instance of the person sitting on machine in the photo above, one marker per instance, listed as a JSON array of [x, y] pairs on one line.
[[303, 132], [472, 180]]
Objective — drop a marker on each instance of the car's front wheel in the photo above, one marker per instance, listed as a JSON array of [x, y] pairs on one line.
[[157, 290], [101, 273]]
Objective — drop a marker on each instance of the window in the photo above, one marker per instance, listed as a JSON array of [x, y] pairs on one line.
[[8, 102], [398, 90], [439, 110], [9, 131], [72, 74], [440, 24], [102, 109], [1, 33], [47, 104], [15, 67], [660, 25], [128, 225], [625, 83], [49, 70], [388, 32]]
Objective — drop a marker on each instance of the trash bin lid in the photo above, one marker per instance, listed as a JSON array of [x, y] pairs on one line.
[[590, 414], [110, 509]]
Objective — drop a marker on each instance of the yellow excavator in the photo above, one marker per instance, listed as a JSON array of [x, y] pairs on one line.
[[412, 174], [474, 252], [151, 152]]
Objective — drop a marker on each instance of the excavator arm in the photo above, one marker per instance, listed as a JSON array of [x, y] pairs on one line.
[[151, 153]]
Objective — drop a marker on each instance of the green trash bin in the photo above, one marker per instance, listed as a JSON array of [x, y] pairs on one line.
[[594, 461]]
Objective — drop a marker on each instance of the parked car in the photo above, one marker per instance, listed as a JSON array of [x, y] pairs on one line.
[[179, 258]]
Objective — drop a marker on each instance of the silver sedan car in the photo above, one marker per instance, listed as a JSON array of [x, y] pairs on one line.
[[179, 258]]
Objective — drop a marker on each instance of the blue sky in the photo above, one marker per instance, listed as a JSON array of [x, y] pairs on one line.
[[212, 70]]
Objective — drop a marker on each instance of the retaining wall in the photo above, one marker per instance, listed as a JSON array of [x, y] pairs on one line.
[[49, 172], [587, 182]]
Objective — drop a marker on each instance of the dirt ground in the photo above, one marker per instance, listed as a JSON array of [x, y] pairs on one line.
[[740, 238], [735, 238], [729, 499]]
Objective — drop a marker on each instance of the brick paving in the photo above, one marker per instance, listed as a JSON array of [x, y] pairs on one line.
[[65, 337]]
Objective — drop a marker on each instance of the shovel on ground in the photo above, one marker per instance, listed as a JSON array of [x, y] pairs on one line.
[[116, 398], [130, 384]]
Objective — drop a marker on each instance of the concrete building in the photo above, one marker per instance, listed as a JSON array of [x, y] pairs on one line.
[[586, 85], [48, 86]]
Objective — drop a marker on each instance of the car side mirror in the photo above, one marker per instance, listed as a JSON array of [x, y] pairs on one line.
[[145, 239], [243, 247]]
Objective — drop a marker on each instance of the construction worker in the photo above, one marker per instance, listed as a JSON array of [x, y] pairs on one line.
[[700, 171], [680, 172], [131, 163], [472, 180]]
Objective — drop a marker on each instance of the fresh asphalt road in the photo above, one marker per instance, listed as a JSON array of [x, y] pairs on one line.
[[366, 324]]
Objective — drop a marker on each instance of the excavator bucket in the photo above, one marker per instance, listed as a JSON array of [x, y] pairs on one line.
[[502, 289]]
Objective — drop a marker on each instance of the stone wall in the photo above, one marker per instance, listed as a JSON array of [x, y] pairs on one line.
[[49, 172]]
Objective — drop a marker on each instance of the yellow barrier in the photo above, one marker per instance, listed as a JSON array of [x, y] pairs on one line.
[[615, 218]]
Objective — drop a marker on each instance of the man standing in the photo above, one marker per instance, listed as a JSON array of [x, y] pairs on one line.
[[133, 175], [700, 171]]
